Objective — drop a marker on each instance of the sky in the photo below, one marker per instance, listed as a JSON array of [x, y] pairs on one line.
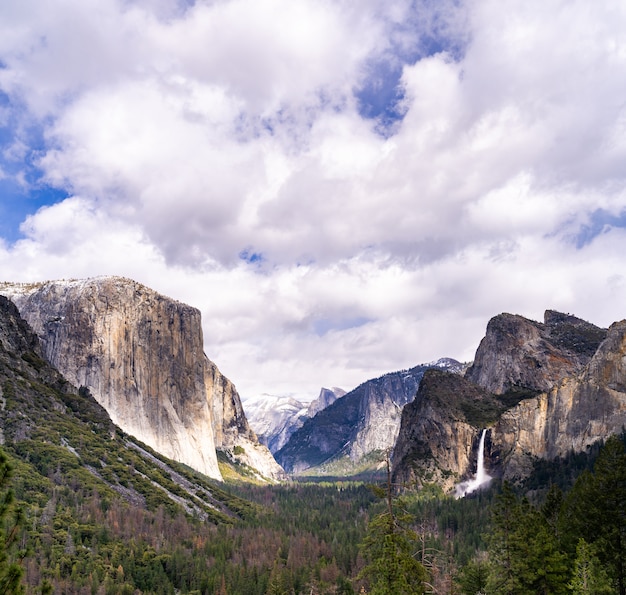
[[344, 188]]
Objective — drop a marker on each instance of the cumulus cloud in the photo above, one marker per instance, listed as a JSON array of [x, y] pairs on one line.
[[343, 188]]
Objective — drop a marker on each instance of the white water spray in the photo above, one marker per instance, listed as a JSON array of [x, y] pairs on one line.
[[481, 477]]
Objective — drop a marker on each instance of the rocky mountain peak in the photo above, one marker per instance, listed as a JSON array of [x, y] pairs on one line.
[[326, 397], [518, 353], [542, 390], [349, 435]]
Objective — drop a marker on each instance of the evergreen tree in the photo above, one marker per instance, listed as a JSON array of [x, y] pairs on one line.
[[389, 550], [10, 571], [524, 553], [279, 580], [589, 576], [596, 510], [472, 579], [503, 544]]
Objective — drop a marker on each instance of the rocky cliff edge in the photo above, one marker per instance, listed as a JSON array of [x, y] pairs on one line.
[[542, 389], [141, 356]]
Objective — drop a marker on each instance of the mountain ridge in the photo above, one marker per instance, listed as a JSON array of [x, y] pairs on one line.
[[276, 418], [141, 356], [541, 389], [352, 432]]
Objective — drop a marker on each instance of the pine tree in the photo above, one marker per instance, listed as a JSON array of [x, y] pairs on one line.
[[503, 544], [278, 581], [10, 571], [388, 548], [524, 552], [596, 510], [472, 579], [589, 576]]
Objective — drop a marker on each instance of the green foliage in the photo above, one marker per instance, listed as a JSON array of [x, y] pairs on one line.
[[595, 510], [389, 549], [573, 543], [523, 550], [35, 360], [10, 520], [460, 398], [473, 577], [589, 576], [515, 395], [103, 513]]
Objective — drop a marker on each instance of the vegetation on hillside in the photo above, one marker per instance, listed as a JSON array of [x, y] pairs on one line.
[[84, 508]]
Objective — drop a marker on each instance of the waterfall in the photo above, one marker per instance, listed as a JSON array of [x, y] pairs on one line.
[[481, 477]]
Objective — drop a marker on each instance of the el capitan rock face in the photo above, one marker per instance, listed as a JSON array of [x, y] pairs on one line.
[[141, 356]]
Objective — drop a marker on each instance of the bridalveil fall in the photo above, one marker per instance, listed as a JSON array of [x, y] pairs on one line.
[[481, 477]]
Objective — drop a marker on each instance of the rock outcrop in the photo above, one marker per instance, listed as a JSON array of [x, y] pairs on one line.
[[141, 356], [440, 430], [521, 353], [351, 434], [325, 399], [542, 389], [575, 413]]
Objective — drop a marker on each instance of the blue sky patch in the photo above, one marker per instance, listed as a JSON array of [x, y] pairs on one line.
[[251, 257], [381, 94], [17, 202], [321, 326], [22, 192], [600, 222]]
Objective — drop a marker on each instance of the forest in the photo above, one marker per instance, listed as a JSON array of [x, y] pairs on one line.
[[563, 531], [88, 509]]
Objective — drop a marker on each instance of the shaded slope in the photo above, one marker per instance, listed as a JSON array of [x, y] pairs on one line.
[[60, 434], [356, 427], [141, 355]]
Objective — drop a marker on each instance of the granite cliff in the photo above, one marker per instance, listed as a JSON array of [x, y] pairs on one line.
[[521, 353], [573, 414], [439, 430], [542, 389], [63, 444], [351, 435], [141, 356]]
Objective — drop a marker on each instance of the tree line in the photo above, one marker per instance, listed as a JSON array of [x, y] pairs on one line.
[[320, 539]]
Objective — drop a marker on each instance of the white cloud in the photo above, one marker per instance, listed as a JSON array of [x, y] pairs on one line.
[[216, 152]]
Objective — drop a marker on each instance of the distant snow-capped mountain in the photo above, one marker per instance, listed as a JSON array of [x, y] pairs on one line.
[[274, 418]]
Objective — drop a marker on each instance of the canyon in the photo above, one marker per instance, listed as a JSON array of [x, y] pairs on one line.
[[535, 391]]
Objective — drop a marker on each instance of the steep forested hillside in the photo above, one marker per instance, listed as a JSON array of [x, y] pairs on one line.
[[102, 514]]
